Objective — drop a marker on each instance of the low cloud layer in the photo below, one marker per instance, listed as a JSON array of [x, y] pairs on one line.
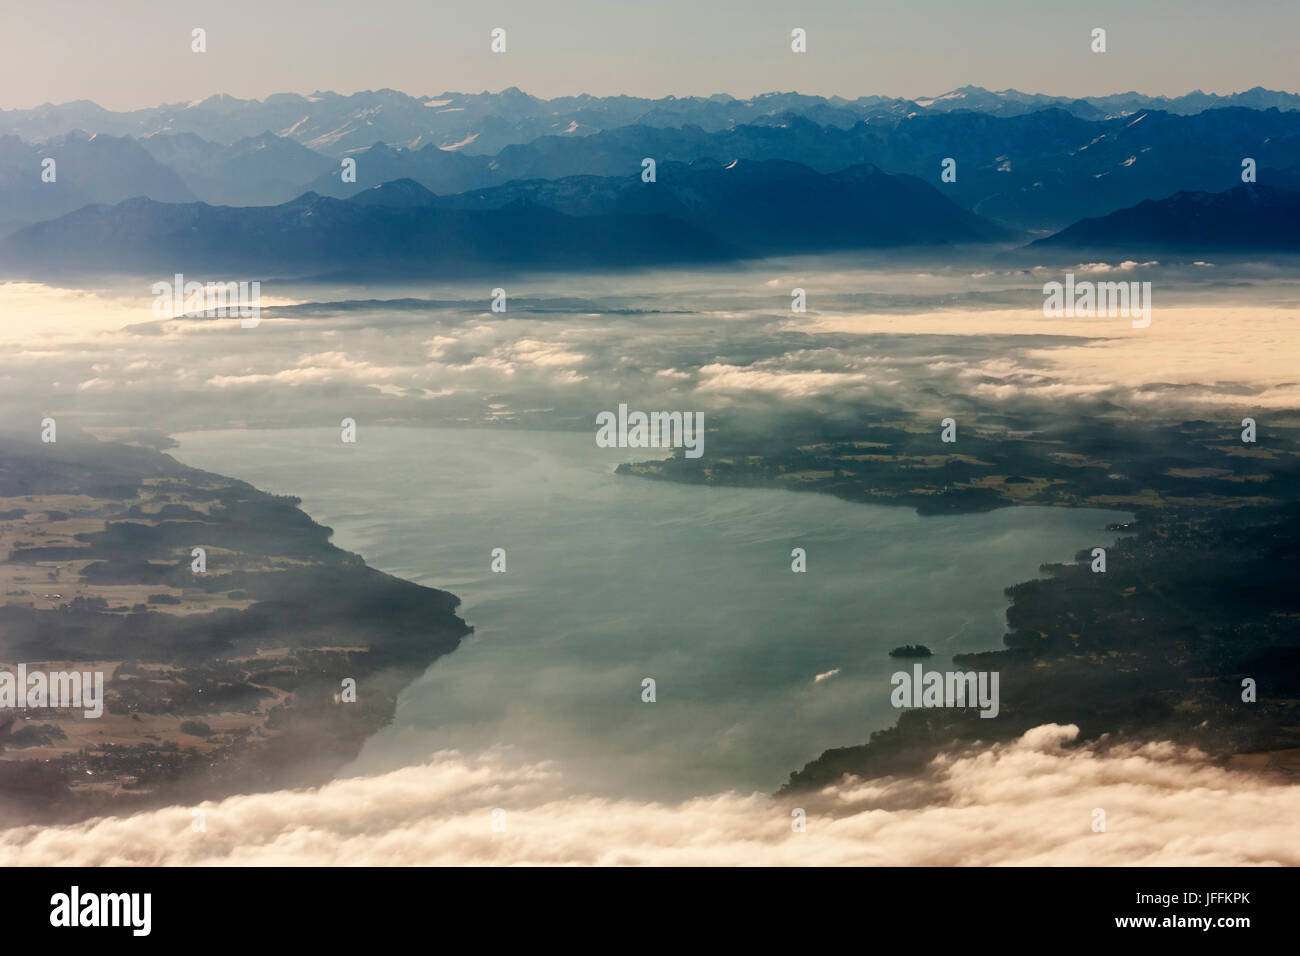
[[1028, 802], [723, 342]]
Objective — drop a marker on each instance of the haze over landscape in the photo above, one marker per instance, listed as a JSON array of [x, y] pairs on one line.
[[384, 437]]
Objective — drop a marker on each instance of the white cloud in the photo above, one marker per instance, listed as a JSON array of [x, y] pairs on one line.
[[1027, 802]]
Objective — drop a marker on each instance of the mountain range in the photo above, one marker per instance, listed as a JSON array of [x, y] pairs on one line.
[[702, 214], [259, 170], [1036, 171], [87, 168], [335, 124], [1247, 218], [319, 236], [696, 213], [764, 208], [773, 174]]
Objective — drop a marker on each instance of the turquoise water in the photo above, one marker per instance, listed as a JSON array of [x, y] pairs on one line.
[[614, 579]]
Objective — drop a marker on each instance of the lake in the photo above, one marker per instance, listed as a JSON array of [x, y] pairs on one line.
[[612, 579]]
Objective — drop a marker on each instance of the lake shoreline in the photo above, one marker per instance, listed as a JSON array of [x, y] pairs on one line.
[[735, 702], [272, 631], [1120, 654]]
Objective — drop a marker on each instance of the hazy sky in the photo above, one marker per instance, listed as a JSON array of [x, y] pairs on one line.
[[134, 53]]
